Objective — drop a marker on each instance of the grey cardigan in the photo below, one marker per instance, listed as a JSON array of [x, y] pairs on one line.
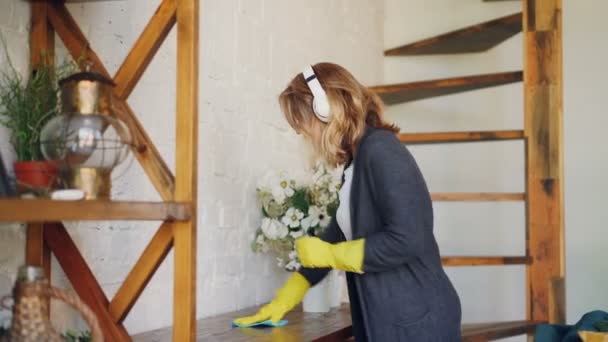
[[404, 293]]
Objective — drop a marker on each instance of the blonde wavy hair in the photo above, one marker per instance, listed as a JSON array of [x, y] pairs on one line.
[[352, 107]]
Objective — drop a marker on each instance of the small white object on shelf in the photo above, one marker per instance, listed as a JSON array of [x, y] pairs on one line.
[[67, 195]]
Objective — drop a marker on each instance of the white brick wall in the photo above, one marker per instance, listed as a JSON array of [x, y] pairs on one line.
[[249, 51], [14, 26]]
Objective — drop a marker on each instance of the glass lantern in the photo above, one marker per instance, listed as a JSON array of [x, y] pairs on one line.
[[87, 140]]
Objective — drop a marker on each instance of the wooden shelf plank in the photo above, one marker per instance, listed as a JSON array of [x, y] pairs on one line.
[[476, 38], [455, 137], [496, 330], [485, 260], [406, 92], [478, 196], [43, 210]]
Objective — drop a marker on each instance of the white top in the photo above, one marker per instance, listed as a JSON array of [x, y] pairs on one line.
[[343, 213]]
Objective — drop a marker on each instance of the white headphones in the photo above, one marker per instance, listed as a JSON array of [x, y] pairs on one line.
[[320, 104]]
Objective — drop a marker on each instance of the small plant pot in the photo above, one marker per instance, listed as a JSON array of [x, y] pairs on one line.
[[36, 174]]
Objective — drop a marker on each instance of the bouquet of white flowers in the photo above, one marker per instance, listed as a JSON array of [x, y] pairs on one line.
[[290, 211]]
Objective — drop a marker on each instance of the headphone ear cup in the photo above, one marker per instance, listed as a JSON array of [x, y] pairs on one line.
[[320, 103], [321, 108]]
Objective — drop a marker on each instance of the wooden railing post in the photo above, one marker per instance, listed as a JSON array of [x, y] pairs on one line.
[[544, 154], [184, 234]]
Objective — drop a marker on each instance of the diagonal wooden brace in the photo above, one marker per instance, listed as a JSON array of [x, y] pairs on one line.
[[83, 280], [142, 272]]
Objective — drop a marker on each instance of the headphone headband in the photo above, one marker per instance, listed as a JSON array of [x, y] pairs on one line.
[[320, 104]]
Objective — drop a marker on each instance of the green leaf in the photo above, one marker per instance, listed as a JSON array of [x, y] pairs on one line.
[[299, 200], [27, 105]]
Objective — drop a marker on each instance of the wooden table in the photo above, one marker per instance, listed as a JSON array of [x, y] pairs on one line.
[[320, 327], [333, 326]]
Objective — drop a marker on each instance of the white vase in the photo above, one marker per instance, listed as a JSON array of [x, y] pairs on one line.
[[317, 297], [335, 288]]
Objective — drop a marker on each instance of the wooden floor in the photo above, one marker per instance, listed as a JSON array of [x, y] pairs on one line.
[[318, 327]]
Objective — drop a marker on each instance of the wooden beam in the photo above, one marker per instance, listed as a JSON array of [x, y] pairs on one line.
[[457, 137], [544, 153], [496, 330], [131, 70], [142, 272], [42, 36], [557, 301], [83, 280], [42, 51], [18, 210], [37, 253], [184, 235], [144, 149], [485, 260], [406, 92], [478, 196], [476, 38]]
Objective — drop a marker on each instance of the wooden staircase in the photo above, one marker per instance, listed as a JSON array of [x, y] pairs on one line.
[[476, 38], [541, 135], [407, 92]]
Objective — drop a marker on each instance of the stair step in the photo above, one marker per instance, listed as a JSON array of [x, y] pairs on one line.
[[496, 330], [485, 260], [406, 92], [457, 137], [476, 38], [478, 196]]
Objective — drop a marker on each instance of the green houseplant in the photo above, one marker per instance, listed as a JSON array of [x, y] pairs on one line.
[[26, 105]]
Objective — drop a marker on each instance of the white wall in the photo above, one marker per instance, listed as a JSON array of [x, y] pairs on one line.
[[498, 228], [585, 89], [249, 52]]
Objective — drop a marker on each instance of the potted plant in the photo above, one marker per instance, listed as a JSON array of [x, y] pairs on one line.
[[25, 107]]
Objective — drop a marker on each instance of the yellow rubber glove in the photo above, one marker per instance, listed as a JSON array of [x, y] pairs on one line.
[[287, 297], [345, 256]]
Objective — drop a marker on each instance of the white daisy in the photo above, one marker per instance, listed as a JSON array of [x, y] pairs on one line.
[[312, 220], [281, 189], [293, 217]]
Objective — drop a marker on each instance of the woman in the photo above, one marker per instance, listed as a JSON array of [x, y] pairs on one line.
[[382, 235]]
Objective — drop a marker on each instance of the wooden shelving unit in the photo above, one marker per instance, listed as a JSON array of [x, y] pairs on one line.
[[178, 211]]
